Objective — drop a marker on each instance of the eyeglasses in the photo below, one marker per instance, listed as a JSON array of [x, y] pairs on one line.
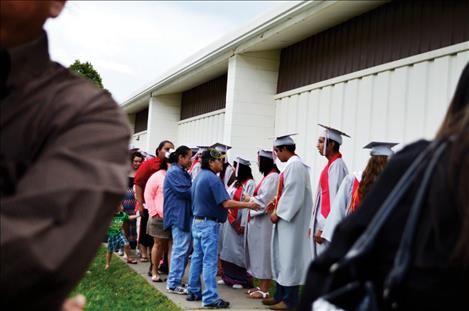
[[215, 154]]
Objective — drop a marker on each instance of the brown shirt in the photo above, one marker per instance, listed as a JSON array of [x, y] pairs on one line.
[[63, 171]]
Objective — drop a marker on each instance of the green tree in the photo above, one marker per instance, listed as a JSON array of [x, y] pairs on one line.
[[87, 71]]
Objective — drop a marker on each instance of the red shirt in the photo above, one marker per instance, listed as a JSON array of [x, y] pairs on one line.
[[145, 171]]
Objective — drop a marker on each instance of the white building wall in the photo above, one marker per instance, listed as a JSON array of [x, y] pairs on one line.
[[401, 101], [163, 116], [201, 130], [250, 113], [139, 140]]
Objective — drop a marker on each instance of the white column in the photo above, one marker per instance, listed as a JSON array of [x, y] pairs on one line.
[[250, 113], [164, 112]]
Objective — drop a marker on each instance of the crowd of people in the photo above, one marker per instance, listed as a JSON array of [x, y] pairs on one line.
[[195, 205], [212, 216]]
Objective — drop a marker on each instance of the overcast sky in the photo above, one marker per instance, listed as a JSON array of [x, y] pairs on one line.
[[132, 43]]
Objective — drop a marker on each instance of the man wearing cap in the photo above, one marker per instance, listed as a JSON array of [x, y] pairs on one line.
[[210, 204], [227, 174], [291, 212], [329, 182]]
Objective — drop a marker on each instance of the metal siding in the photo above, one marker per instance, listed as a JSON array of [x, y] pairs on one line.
[[401, 104], [393, 31], [203, 131], [205, 98]]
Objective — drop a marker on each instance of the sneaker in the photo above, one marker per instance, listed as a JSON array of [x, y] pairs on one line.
[[237, 286], [220, 304], [178, 290], [121, 252], [192, 297], [220, 282]]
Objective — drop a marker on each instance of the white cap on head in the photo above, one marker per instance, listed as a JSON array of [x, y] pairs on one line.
[[243, 161], [220, 147], [284, 140], [333, 134], [266, 153], [380, 148]]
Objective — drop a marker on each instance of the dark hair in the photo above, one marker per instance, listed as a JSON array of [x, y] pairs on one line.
[[164, 164], [244, 173], [204, 160], [136, 154], [266, 165], [456, 124], [374, 168], [335, 147], [290, 148], [161, 145], [180, 151]]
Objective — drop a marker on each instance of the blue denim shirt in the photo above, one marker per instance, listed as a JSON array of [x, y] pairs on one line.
[[208, 194], [177, 199]]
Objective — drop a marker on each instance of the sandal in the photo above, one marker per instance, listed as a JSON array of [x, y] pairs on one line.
[[263, 295], [132, 261], [157, 279], [144, 259], [252, 290]]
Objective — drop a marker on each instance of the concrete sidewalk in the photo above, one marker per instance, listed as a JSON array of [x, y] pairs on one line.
[[237, 297]]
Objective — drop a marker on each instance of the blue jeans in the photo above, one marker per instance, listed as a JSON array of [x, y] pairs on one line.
[[205, 234], [287, 294], [181, 243]]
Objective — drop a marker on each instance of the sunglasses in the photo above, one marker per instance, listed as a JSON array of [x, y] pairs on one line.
[[215, 154]]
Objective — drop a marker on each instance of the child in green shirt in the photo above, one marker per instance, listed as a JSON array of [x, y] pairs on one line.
[[116, 239]]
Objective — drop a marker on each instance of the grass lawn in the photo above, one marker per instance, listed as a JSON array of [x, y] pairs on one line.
[[120, 288]]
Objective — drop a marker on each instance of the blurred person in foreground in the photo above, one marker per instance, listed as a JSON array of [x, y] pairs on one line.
[[63, 165], [438, 275]]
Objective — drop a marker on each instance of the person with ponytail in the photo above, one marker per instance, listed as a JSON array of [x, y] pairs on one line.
[[233, 253], [259, 227], [178, 215]]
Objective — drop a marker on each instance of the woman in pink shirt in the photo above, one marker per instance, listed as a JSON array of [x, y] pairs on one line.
[[154, 199]]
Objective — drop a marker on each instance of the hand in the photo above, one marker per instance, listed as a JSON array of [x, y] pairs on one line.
[[76, 303], [274, 218], [270, 207], [254, 206], [317, 237], [140, 207]]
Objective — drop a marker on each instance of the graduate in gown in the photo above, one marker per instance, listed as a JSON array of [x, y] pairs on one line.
[[352, 191], [233, 253], [196, 166], [291, 214], [329, 182], [259, 227]]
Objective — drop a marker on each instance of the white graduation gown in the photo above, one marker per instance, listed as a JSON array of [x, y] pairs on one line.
[[336, 173], [291, 253], [259, 231], [196, 170], [340, 205], [233, 243]]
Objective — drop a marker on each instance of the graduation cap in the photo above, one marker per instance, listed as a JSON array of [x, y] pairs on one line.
[[266, 153], [380, 148], [220, 147], [243, 161], [284, 140], [201, 149], [333, 134]]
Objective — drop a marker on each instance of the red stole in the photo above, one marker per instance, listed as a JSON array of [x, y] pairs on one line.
[[233, 213], [355, 197], [193, 164], [324, 183]]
